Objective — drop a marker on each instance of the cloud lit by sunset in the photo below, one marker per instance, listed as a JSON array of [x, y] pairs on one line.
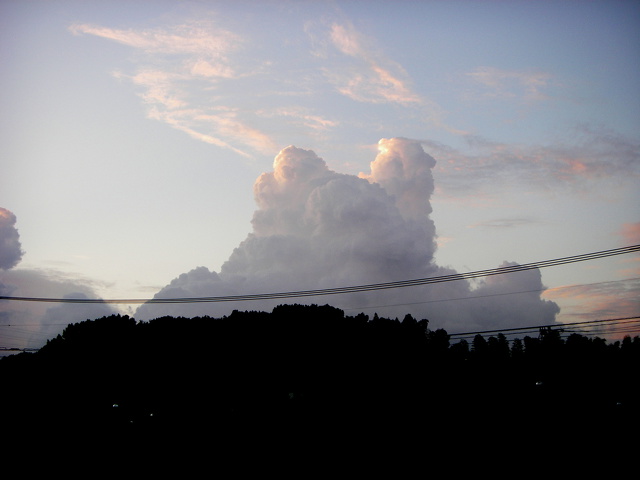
[[216, 148]]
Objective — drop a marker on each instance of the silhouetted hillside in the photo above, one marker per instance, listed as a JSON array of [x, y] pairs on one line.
[[300, 370]]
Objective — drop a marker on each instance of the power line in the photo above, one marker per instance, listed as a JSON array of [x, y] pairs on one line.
[[351, 289], [489, 295], [626, 327], [566, 326], [18, 330]]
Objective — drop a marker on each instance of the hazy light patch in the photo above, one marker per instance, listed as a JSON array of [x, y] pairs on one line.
[[630, 233], [310, 120], [505, 83], [504, 223], [37, 322]]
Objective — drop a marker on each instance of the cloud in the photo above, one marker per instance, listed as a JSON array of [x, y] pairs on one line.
[[403, 169], [316, 228], [604, 300], [370, 77], [301, 115], [10, 246], [585, 155], [31, 324], [199, 39], [525, 308], [201, 79], [181, 62], [511, 83], [630, 232], [504, 223]]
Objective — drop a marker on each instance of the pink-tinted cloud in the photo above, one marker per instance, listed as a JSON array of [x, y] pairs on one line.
[[196, 38], [370, 77], [630, 233], [606, 300], [178, 59], [588, 156]]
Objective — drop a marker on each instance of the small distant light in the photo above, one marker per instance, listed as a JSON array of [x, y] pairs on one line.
[[115, 405], [538, 384]]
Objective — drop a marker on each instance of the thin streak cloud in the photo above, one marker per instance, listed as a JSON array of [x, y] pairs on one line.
[[603, 300], [511, 83], [188, 54], [299, 114], [192, 39], [370, 81], [630, 232], [504, 223], [588, 156]]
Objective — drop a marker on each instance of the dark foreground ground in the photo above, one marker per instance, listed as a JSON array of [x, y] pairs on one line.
[[301, 382]]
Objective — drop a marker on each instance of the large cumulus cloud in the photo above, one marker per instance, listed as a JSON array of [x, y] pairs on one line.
[[316, 228]]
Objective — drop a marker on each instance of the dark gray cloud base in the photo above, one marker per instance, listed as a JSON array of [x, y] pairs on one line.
[[10, 247]]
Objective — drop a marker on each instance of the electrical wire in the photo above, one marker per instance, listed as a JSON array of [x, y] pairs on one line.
[[489, 295], [351, 289], [567, 327]]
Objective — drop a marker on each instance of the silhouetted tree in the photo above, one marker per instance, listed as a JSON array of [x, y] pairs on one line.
[[498, 348], [479, 346], [517, 349], [438, 342], [308, 367], [460, 351]]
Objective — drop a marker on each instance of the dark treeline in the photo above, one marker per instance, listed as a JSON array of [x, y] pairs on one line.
[[302, 369]]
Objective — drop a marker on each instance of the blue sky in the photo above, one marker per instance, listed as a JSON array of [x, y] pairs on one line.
[[133, 132]]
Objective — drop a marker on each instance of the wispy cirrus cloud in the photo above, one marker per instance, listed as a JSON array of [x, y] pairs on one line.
[[604, 300], [160, 87], [630, 233], [190, 121], [302, 115], [195, 38], [370, 77], [586, 155], [177, 59], [504, 223], [529, 85]]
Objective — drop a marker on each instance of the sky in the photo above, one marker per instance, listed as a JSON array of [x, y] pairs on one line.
[[205, 148]]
